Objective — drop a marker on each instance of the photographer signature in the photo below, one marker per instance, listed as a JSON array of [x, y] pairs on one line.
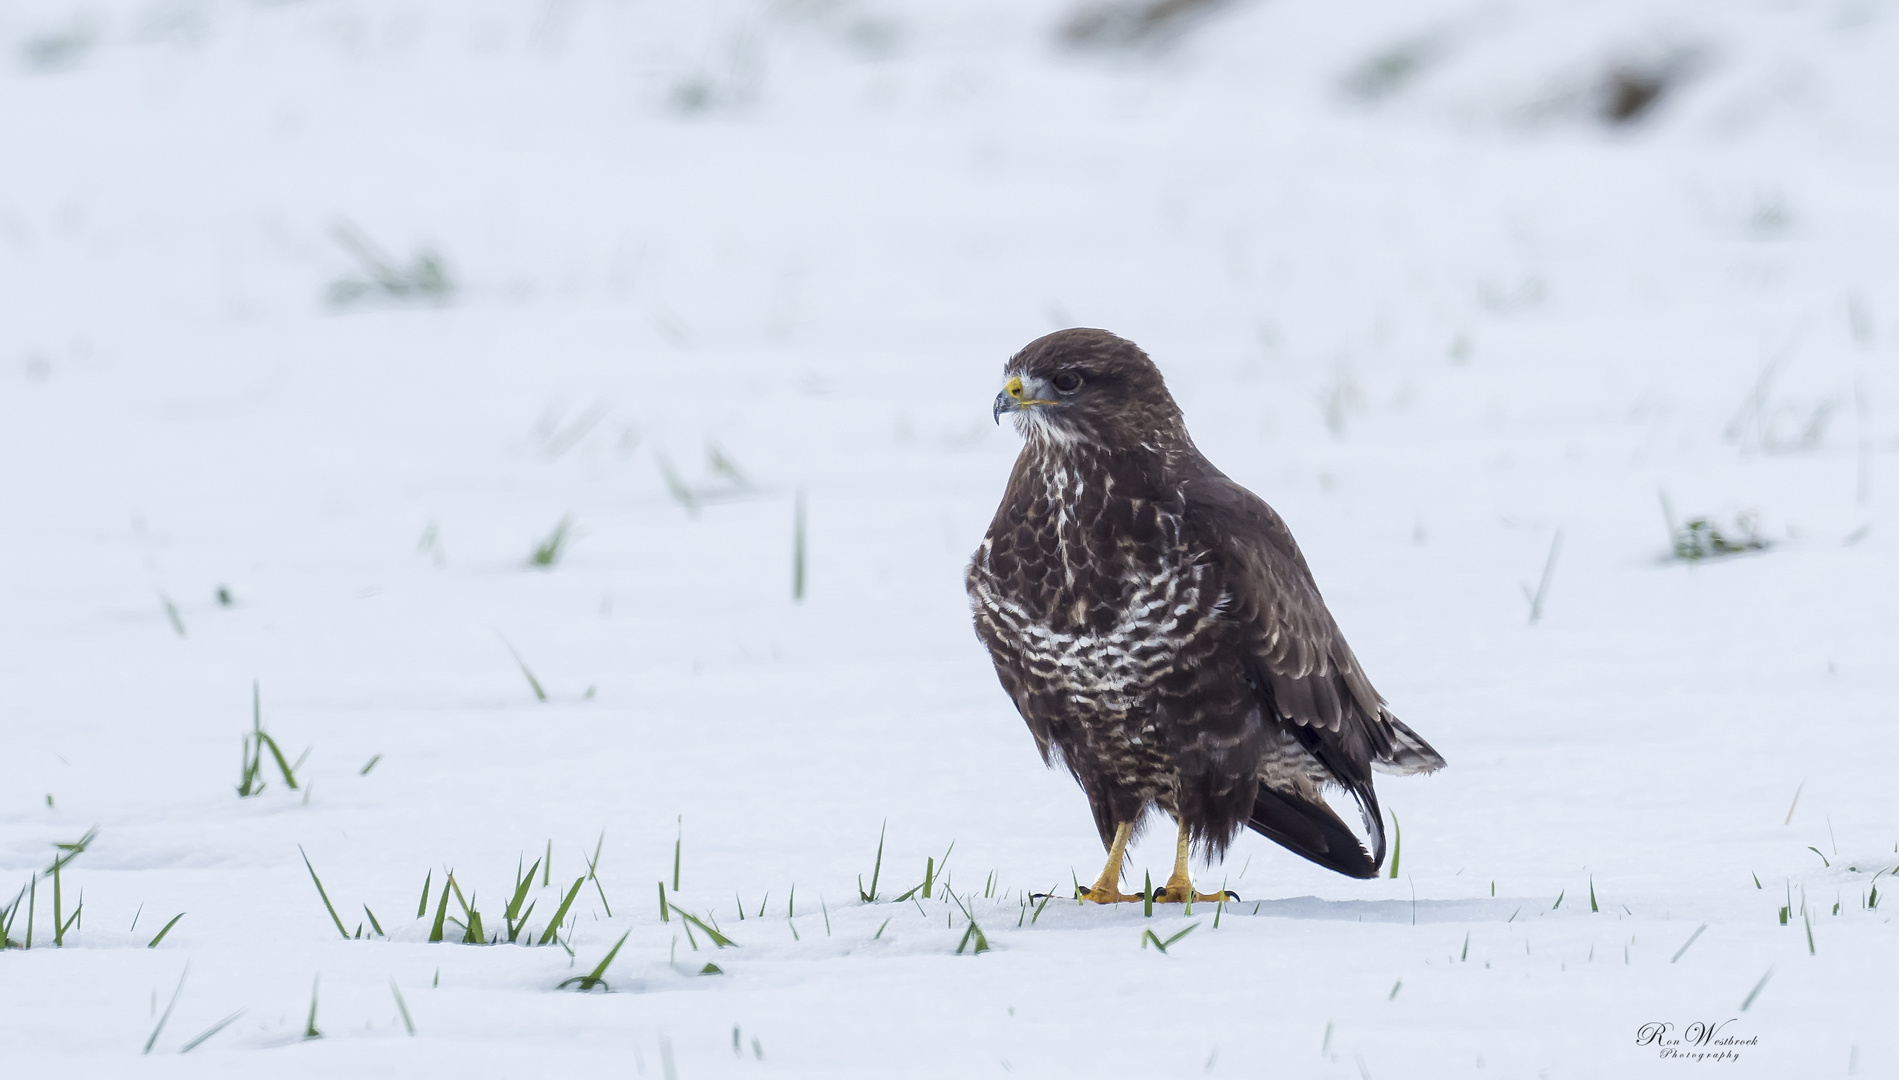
[[1701, 1040]]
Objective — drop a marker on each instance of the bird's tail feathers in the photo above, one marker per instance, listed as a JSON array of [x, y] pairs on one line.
[[1409, 752], [1313, 829]]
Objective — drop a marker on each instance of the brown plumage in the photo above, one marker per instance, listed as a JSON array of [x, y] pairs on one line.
[[1158, 629]]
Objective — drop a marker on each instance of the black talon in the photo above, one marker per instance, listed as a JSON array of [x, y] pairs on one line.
[[1231, 895]]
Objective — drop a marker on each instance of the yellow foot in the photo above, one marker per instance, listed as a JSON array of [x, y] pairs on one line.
[[1176, 892], [1104, 895]]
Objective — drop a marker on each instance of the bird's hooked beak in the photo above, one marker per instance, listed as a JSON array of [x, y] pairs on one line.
[[1019, 394]]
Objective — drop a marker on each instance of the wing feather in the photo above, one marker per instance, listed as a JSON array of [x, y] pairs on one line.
[[1311, 676]]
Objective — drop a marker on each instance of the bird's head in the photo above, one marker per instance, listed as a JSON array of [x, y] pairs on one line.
[[1089, 387]]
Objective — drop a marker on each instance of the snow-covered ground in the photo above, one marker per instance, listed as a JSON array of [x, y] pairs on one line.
[[1410, 283]]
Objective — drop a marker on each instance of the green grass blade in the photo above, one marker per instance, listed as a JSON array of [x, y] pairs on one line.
[[12, 912], [682, 494], [71, 849], [521, 887], [248, 783], [876, 868], [166, 1015], [663, 916], [422, 908], [596, 977], [1038, 908], [441, 911], [547, 552], [373, 923], [1754, 993], [593, 874], [59, 928], [718, 939], [171, 614], [560, 913], [1690, 941], [283, 763], [1170, 941], [402, 1007], [1397, 843], [327, 906], [309, 1026], [534, 683], [364, 771], [253, 749], [212, 1030], [166, 930]]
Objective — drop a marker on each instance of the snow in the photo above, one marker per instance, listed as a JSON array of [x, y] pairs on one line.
[[1436, 324]]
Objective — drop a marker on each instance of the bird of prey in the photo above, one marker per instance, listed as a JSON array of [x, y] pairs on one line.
[[1160, 633]]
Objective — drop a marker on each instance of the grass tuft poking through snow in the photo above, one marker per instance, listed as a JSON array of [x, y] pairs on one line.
[[324, 893], [597, 977], [210, 1031], [424, 280], [973, 938], [67, 853], [1397, 845], [548, 552], [1703, 537], [310, 1030], [251, 780], [690, 920], [1149, 937], [159, 1028], [870, 896], [1691, 940], [533, 683], [166, 929], [402, 1007]]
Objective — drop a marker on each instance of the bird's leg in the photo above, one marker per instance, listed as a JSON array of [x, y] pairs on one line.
[[1179, 886], [1107, 887]]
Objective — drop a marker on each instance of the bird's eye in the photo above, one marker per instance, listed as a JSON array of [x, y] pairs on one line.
[[1068, 382]]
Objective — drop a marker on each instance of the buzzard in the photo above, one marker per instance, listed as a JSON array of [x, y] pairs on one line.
[[1159, 631]]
